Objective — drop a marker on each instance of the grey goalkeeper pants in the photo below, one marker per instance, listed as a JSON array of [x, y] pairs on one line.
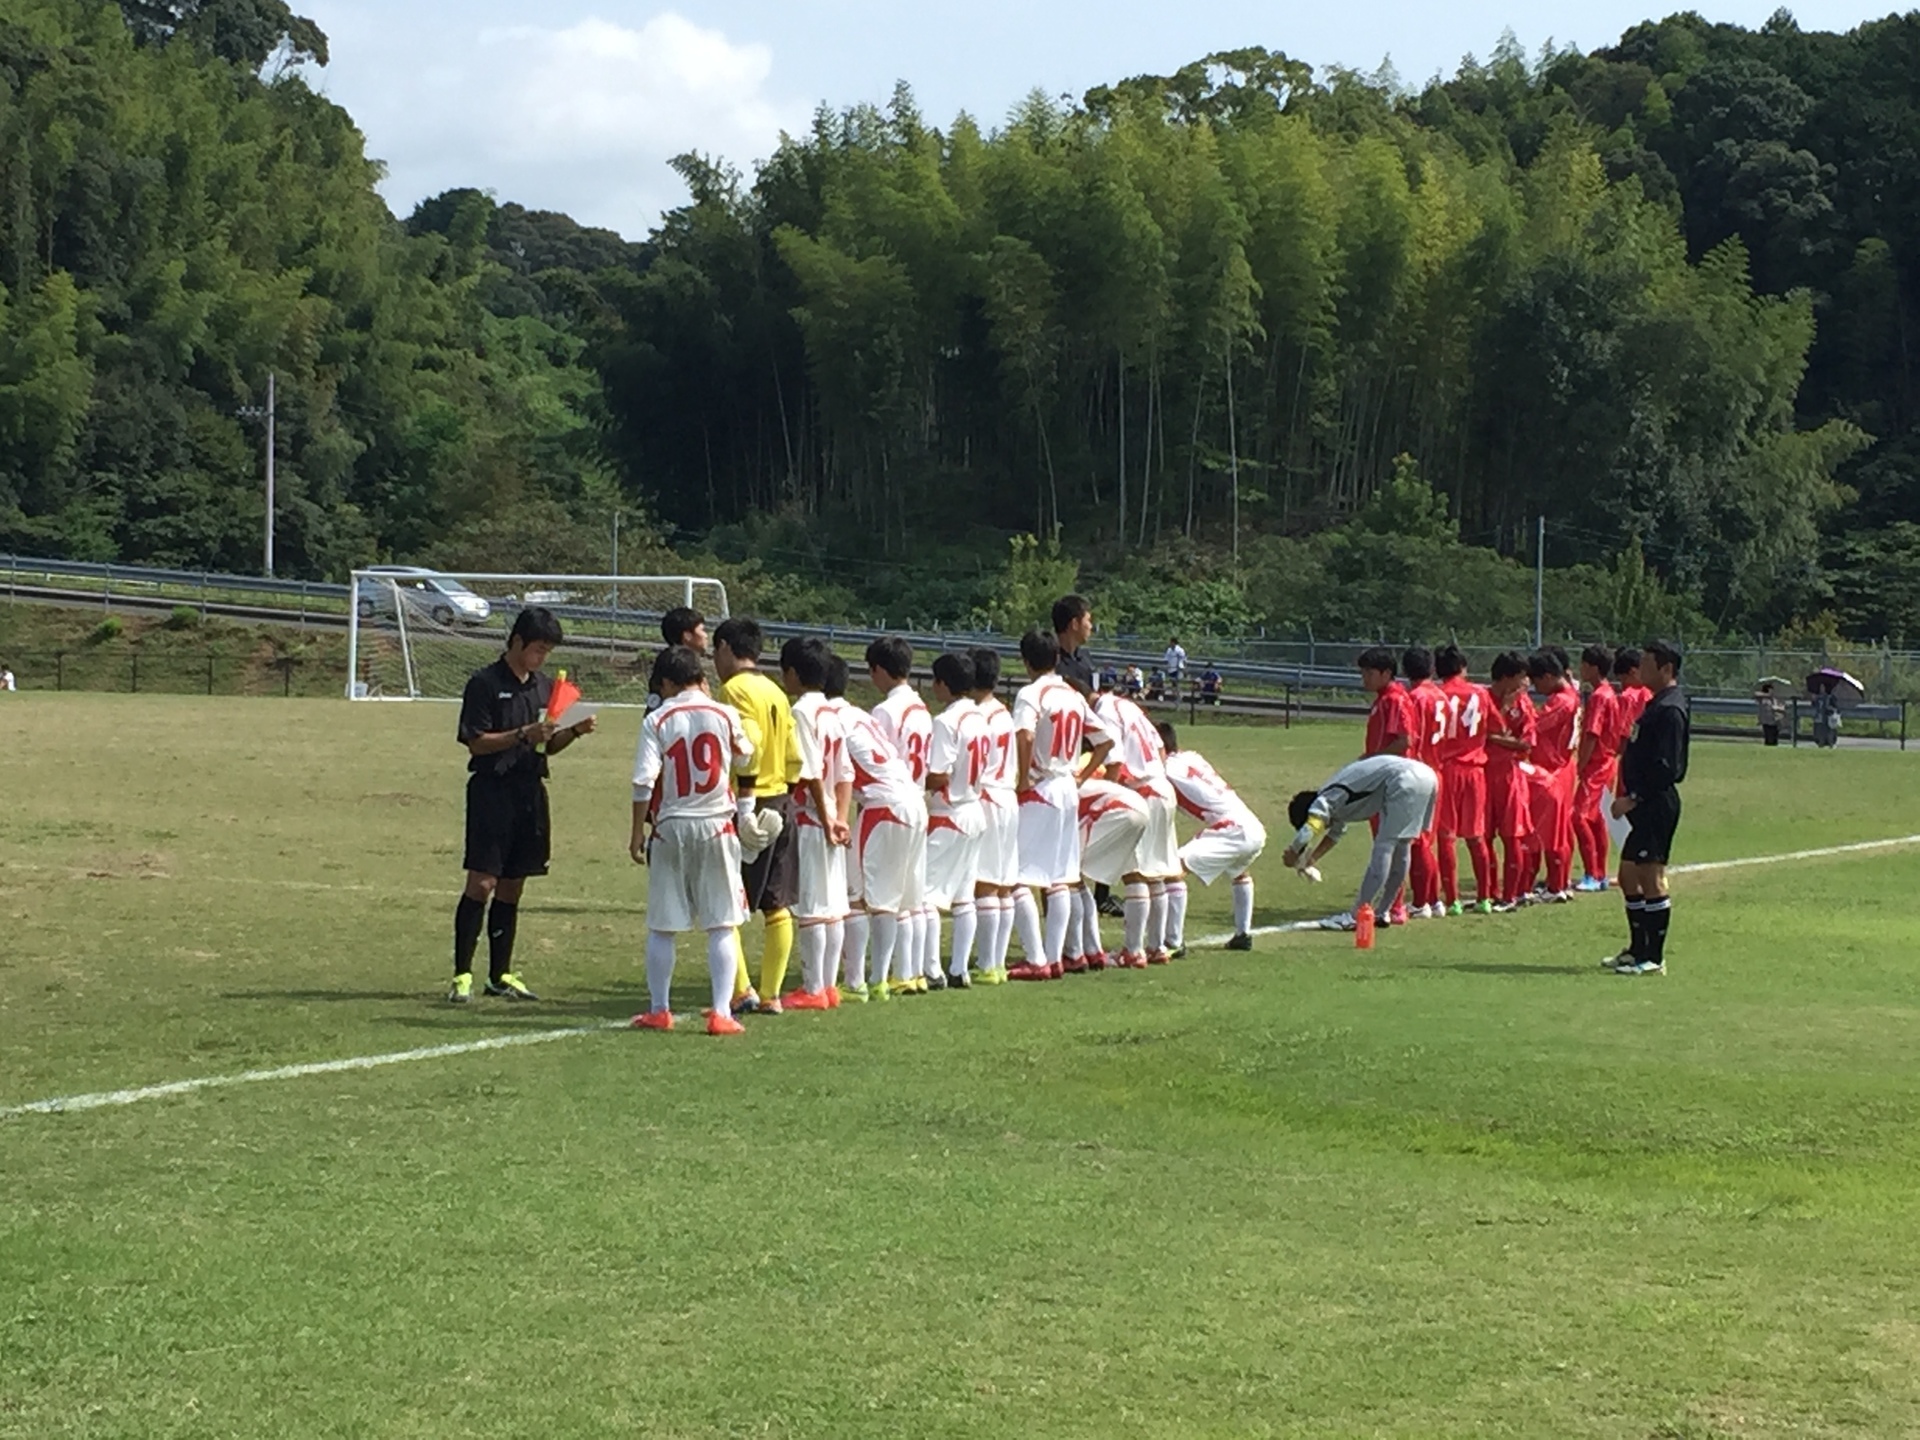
[[1386, 873]]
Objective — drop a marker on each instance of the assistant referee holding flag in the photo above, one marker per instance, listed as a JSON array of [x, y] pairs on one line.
[[1651, 769], [502, 725]]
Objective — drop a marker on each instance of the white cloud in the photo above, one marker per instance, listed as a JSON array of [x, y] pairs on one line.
[[580, 118]]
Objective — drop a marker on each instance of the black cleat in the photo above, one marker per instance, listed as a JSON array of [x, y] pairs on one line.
[[508, 987], [959, 982], [1240, 942], [936, 981]]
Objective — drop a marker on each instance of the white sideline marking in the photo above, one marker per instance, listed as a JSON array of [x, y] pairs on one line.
[[106, 1098]]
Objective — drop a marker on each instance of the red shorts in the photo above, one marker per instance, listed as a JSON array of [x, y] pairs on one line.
[[1463, 802], [1552, 792], [1595, 780], [1509, 803]]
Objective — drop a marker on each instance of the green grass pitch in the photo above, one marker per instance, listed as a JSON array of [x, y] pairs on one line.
[[1462, 1184]]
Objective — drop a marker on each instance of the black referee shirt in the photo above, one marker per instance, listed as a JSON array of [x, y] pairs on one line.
[[1655, 758], [497, 700], [1076, 668]]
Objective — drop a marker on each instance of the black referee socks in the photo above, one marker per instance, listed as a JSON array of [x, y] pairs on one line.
[[467, 916], [1659, 912], [502, 920]]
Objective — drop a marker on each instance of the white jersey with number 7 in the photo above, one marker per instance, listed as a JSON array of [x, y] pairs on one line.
[[1052, 712], [689, 749]]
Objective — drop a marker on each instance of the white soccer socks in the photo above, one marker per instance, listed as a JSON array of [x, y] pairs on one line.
[[660, 970], [1138, 904], [720, 969], [1176, 914], [884, 931], [1243, 905], [1026, 920], [1059, 916], [966, 921]]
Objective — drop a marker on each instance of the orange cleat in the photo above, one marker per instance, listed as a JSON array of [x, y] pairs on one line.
[[654, 1020], [718, 1024], [833, 997], [807, 1000], [1133, 960]]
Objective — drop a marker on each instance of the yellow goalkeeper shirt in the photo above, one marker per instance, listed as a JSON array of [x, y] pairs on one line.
[[768, 718]]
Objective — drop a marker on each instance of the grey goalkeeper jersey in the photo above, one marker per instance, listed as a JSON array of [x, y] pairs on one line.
[[1400, 791]]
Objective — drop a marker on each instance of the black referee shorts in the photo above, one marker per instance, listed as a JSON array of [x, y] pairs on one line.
[[772, 881], [1650, 827], [509, 832]]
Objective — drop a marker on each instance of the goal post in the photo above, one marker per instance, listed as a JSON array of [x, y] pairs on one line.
[[416, 634]]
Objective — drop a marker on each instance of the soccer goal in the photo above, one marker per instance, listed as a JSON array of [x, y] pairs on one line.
[[418, 634]]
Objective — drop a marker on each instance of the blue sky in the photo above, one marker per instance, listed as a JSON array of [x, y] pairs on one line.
[[576, 105]]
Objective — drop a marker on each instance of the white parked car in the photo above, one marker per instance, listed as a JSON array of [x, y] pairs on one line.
[[426, 592]]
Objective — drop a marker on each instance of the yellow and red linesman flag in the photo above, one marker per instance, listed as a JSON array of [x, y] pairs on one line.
[[564, 693]]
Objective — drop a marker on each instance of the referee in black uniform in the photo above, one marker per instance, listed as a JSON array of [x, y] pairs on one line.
[[1651, 769], [508, 832]]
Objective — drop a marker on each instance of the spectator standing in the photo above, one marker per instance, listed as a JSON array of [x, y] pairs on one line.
[[1174, 662], [1773, 712]]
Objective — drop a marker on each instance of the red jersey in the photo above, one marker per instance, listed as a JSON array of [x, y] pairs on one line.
[[1515, 720], [1600, 718], [1428, 701], [1392, 715], [1633, 699], [1466, 710], [1557, 730]]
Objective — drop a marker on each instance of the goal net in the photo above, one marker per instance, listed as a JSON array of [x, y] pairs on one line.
[[418, 634]]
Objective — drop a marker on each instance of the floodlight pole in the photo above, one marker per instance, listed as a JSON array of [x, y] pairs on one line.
[[616, 566], [270, 447], [1540, 584]]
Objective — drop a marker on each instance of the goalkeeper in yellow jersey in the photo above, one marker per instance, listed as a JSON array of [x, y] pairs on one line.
[[772, 877]]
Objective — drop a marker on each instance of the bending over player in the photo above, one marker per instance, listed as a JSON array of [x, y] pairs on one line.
[[1401, 792], [1231, 838]]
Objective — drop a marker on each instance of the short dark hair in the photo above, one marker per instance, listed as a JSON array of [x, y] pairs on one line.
[[1598, 656], [836, 681], [1559, 652], [1300, 806], [1417, 663], [1067, 609], [1509, 663], [1543, 663], [535, 625], [680, 664], [1040, 650], [740, 635], [1665, 653], [1449, 662], [955, 672], [891, 654], [806, 656], [1378, 657], [1626, 661], [680, 622], [986, 667], [1168, 736]]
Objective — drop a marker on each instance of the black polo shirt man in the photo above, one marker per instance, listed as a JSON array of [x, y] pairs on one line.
[[508, 828], [1072, 628], [1652, 766]]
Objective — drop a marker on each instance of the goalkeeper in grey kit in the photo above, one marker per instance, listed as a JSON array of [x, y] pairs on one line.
[[1398, 791]]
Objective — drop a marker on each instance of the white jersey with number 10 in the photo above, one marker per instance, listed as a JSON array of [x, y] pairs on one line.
[[1052, 712], [689, 749]]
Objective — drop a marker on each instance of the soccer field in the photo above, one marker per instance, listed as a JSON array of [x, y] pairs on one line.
[[1463, 1183]]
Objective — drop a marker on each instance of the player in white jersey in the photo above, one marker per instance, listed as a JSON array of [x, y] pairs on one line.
[[1113, 820], [1230, 839], [821, 801], [853, 951], [890, 848], [1000, 844], [683, 829], [1141, 766], [904, 720], [1051, 722], [956, 821]]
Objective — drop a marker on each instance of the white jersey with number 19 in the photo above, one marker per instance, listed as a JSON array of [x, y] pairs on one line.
[[689, 750]]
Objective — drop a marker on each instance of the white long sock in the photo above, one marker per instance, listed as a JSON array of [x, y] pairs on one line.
[[1026, 919], [885, 930], [966, 921], [660, 969], [906, 955], [1243, 904], [1075, 925], [720, 946], [1059, 915], [1090, 941], [853, 949], [813, 957], [1002, 929], [930, 942], [1138, 906], [1156, 937], [836, 941], [1176, 914]]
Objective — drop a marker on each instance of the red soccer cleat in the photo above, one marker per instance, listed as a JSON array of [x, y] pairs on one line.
[[718, 1024], [1029, 972], [1159, 957], [1056, 970], [807, 1000], [1132, 960], [654, 1020], [1075, 966], [1102, 962]]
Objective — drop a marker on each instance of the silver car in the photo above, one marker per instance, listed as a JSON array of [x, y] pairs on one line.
[[440, 598]]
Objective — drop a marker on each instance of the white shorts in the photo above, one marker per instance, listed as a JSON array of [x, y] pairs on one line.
[[1158, 855], [822, 890], [893, 858], [1107, 848], [1226, 848], [1000, 846], [953, 855], [693, 877], [1050, 833]]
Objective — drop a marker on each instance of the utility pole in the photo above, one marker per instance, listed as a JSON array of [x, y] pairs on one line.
[[616, 564], [256, 412], [1540, 584]]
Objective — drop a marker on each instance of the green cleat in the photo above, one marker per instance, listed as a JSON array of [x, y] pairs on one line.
[[1457, 908], [1484, 907], [879, 992], [857, 994], [462, 990]]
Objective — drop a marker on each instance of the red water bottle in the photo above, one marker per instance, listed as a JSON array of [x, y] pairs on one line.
[[1363, 928]]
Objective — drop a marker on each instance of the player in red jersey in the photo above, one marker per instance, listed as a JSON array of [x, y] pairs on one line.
[[1428, 702], [1391, 726], [1633, 694], [1555, 748], [1601, 736], [1466, 714], [1510, 738]]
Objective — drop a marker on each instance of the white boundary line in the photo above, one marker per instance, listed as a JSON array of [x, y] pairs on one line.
[[105, 1099]]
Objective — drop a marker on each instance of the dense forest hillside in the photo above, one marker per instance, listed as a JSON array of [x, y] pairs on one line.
[[1244, 344]]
